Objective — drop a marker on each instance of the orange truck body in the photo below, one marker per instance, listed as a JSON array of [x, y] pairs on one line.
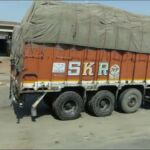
[[59, 56], [52, 68]]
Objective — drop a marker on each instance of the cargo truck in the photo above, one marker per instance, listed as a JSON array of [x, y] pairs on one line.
[[81, 55]]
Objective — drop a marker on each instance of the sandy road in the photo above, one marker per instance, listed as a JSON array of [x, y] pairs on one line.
[[116, 131]]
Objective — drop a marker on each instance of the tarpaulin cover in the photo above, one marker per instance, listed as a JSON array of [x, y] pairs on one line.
[[88, 25]]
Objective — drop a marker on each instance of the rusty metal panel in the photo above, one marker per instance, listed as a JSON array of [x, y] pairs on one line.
[[59, 66], [140, 67], [127, 67], [50, 65], [75, 61], [45, 63], [30, 64], [103, 65], [114, 66]]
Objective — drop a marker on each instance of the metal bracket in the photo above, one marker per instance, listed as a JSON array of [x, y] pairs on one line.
[[35, 104], [12, 99]]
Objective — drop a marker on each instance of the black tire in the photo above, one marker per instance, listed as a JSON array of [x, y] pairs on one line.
[[130, 100], [68, 106], [102, 104]]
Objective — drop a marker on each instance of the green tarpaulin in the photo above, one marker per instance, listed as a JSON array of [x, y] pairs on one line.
[[88, 25]]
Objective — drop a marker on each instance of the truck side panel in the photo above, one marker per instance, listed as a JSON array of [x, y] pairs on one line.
[[53, 66], [127, 65], [147, 71], [140, 68]]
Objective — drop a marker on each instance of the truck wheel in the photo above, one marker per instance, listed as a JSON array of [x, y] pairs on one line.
[[68, 106], [102, 104], [130, 100]]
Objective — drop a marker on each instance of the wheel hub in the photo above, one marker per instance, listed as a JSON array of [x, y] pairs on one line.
[[104, 104], [132, 101], [69, 106]]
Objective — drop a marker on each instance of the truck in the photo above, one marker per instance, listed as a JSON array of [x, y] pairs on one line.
[[76, 56]]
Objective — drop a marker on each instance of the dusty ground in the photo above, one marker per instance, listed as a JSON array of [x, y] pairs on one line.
[[115, 132]]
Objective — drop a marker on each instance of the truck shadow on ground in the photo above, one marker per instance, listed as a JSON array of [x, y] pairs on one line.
[[25, 111]]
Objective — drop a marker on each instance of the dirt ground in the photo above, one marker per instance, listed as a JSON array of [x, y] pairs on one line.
[[119, 131]]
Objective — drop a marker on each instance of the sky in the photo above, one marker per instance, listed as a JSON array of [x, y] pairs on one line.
[[15, 10]]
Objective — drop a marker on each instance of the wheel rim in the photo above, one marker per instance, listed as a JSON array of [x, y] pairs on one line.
[[104, 104], [132, 100], [69, 107]]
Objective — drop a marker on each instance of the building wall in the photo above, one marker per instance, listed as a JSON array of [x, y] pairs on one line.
[[6, 30]]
